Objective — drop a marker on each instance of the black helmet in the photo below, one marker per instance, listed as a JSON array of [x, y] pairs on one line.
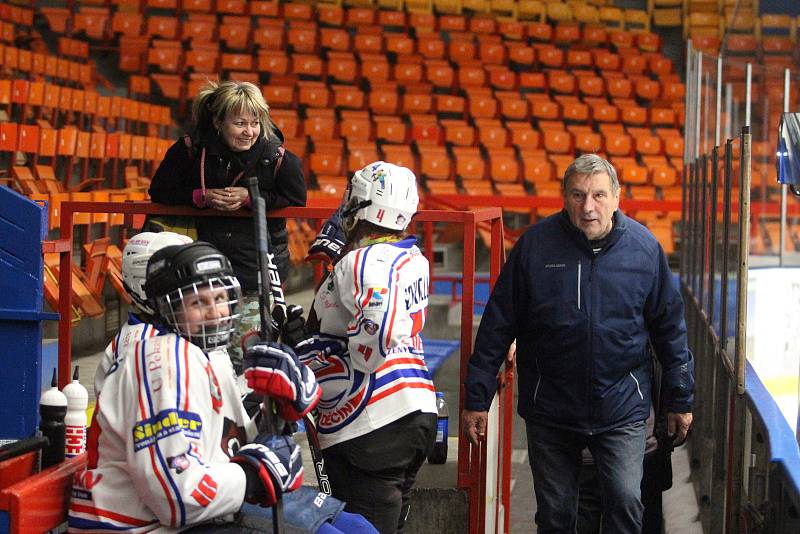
[[194, 292]]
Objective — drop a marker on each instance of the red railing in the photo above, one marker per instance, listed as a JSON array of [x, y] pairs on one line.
[[472, 461]]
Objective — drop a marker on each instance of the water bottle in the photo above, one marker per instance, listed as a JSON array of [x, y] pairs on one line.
[[53, 408], [75, 420], [439, 453]]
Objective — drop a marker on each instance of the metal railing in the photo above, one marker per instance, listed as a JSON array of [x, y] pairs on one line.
[[484, 476], [745, 458]]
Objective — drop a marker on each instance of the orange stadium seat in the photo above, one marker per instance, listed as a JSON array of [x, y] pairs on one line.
[[408, 73], [431, 46], [331, 15], [298, 11], [425, 130], [306, 66], [440, 74], [374, 68], [512, 106], [320, 124], [287, 121], [399, 44], [368, 42], [588, 142], [347, 97], [491, 134], [268, 33], [469, 163], [342, 67], [523, 137], [434, 162], [355, 125], [400, 155], [537, 168], [482, 105], [416, 103], [327, 158], [390, 129], [503, 165], [458, 132], [383, 100], [550, 56], [279, 95], [558, 141], [360, 154]]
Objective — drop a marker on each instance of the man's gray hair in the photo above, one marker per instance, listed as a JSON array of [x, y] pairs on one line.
[[591, 164]]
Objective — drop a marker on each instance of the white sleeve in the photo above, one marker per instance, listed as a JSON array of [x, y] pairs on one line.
[[173, 452]]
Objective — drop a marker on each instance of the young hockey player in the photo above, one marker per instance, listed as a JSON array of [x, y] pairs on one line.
[[158, 450], [377, 416], [140, 323]]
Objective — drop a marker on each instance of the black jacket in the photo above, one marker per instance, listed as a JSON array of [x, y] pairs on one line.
[[179, 175], [582, 324]]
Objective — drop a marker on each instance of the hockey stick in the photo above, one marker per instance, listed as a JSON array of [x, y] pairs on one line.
[[269, 329], [316, 455]]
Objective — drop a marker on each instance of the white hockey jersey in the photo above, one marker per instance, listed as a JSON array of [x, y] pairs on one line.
[[377, 297], [158, 446], [132, 331]]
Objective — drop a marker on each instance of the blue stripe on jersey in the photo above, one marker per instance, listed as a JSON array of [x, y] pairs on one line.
[[398, 374], [90, 524], [161, 460], [381, 346], [178, 372]]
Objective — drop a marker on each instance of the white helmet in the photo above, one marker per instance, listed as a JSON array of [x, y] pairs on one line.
[[135, 257], [383, 194]]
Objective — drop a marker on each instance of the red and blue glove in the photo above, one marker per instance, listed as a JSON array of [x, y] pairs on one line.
[[330, 242], [272, 466], [273, 369]]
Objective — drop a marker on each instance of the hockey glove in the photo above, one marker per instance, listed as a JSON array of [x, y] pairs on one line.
[[294, 329], [272, 465], [272, 369], [314, 350], [330, 242]]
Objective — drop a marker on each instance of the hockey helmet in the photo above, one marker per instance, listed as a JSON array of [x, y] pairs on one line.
[[135, 256], [383, 194], [195, 293]]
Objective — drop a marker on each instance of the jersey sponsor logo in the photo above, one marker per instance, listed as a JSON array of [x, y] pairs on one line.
[[377, 298], [370, 327], [164, 424], [205, 491], [416, 292], [366, 351], [178, 463]]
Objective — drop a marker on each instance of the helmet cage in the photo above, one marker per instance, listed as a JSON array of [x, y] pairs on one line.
[[204, 312]]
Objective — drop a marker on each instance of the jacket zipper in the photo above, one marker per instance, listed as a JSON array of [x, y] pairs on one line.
[[637, 385], [579, 285], [538, 382], [591, 345]]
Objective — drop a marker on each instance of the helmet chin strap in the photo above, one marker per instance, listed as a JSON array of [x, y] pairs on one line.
[[348, 221]]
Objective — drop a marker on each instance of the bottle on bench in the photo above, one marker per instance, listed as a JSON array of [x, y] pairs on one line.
[[53, 409]]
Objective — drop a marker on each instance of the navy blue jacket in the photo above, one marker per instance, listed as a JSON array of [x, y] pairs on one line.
[[582, 323]]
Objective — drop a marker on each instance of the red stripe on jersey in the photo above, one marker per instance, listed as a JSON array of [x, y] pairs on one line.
[[185, 349], [400, 361], [356, 289], [386, 392], [145, 415], [402, 264]]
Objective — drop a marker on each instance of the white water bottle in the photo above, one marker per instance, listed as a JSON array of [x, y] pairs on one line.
[[75, 420], [52, 407]]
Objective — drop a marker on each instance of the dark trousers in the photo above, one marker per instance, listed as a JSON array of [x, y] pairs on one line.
[[555, 458], [590, 504], [374, 473]]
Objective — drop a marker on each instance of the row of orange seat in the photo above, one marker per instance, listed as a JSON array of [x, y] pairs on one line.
[[81, 156], [29, 100], [54, 68]]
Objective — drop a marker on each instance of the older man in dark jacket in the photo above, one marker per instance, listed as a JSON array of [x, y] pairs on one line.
[[582, 292]]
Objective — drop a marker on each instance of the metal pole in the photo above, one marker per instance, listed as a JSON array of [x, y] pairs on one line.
[[744, 253], [719, 102], [728, 110], [782, 234], [698, 106], [687, 101], [748, 95]]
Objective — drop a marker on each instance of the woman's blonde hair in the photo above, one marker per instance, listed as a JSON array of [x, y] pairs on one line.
[[216, 100]]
